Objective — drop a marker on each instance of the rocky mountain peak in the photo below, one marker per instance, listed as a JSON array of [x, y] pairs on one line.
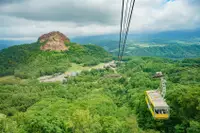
[[54, 41]]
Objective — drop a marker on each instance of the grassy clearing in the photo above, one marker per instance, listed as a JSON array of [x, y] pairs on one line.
[[10, 80]]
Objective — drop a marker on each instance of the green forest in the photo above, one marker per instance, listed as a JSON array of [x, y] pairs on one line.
[[156, 46], [94, 101], [27, 61], [175, 51]]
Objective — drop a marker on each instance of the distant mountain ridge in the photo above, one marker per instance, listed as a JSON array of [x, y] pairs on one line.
[[8, 43], [171, 44], [182, 34]]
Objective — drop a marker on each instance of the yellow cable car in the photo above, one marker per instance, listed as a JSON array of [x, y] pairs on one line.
[[156, 102], [157, 105]]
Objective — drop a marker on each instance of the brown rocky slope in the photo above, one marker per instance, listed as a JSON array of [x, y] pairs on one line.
[[53, 41]]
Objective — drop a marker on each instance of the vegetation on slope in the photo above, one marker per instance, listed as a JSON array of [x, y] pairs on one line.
[[91, 102], [146, 45], [183, 89], [26, 61], [169, 51]]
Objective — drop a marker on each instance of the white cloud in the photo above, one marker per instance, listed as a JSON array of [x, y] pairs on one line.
[[31, 18], [79, 11], [172, 15]]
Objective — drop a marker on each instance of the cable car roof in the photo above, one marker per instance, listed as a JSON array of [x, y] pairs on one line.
[[156, 99]]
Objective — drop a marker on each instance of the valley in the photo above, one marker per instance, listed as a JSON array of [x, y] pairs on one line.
[[169, 45]]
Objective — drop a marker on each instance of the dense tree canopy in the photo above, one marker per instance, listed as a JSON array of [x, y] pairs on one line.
[[26, 61], [95, 101]]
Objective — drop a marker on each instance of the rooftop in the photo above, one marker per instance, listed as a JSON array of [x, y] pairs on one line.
[[156, 98]]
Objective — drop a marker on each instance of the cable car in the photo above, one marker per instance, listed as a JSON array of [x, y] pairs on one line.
[[157, 105], [155, 100]]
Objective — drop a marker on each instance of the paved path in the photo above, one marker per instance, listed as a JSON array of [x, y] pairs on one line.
[[73, 71]]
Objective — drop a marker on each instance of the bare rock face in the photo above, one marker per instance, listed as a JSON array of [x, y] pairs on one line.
[[53, 41]]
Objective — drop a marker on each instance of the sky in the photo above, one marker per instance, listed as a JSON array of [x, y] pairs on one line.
[[28, 19]]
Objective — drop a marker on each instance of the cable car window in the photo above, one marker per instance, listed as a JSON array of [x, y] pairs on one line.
[[161, 111]]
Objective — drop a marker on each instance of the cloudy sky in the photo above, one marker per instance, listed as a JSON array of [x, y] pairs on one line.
[[28, 19]]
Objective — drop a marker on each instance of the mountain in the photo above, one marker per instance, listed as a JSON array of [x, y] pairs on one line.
[[32, 60], [172, 44], [144, 37], [54, 41], [8, 43]]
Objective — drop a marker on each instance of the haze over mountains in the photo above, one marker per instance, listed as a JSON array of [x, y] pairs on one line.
[[8, 43], [171, 44]]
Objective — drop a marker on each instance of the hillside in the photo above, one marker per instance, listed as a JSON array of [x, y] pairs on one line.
[[96, 102], [174, 44], [29, 60]]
